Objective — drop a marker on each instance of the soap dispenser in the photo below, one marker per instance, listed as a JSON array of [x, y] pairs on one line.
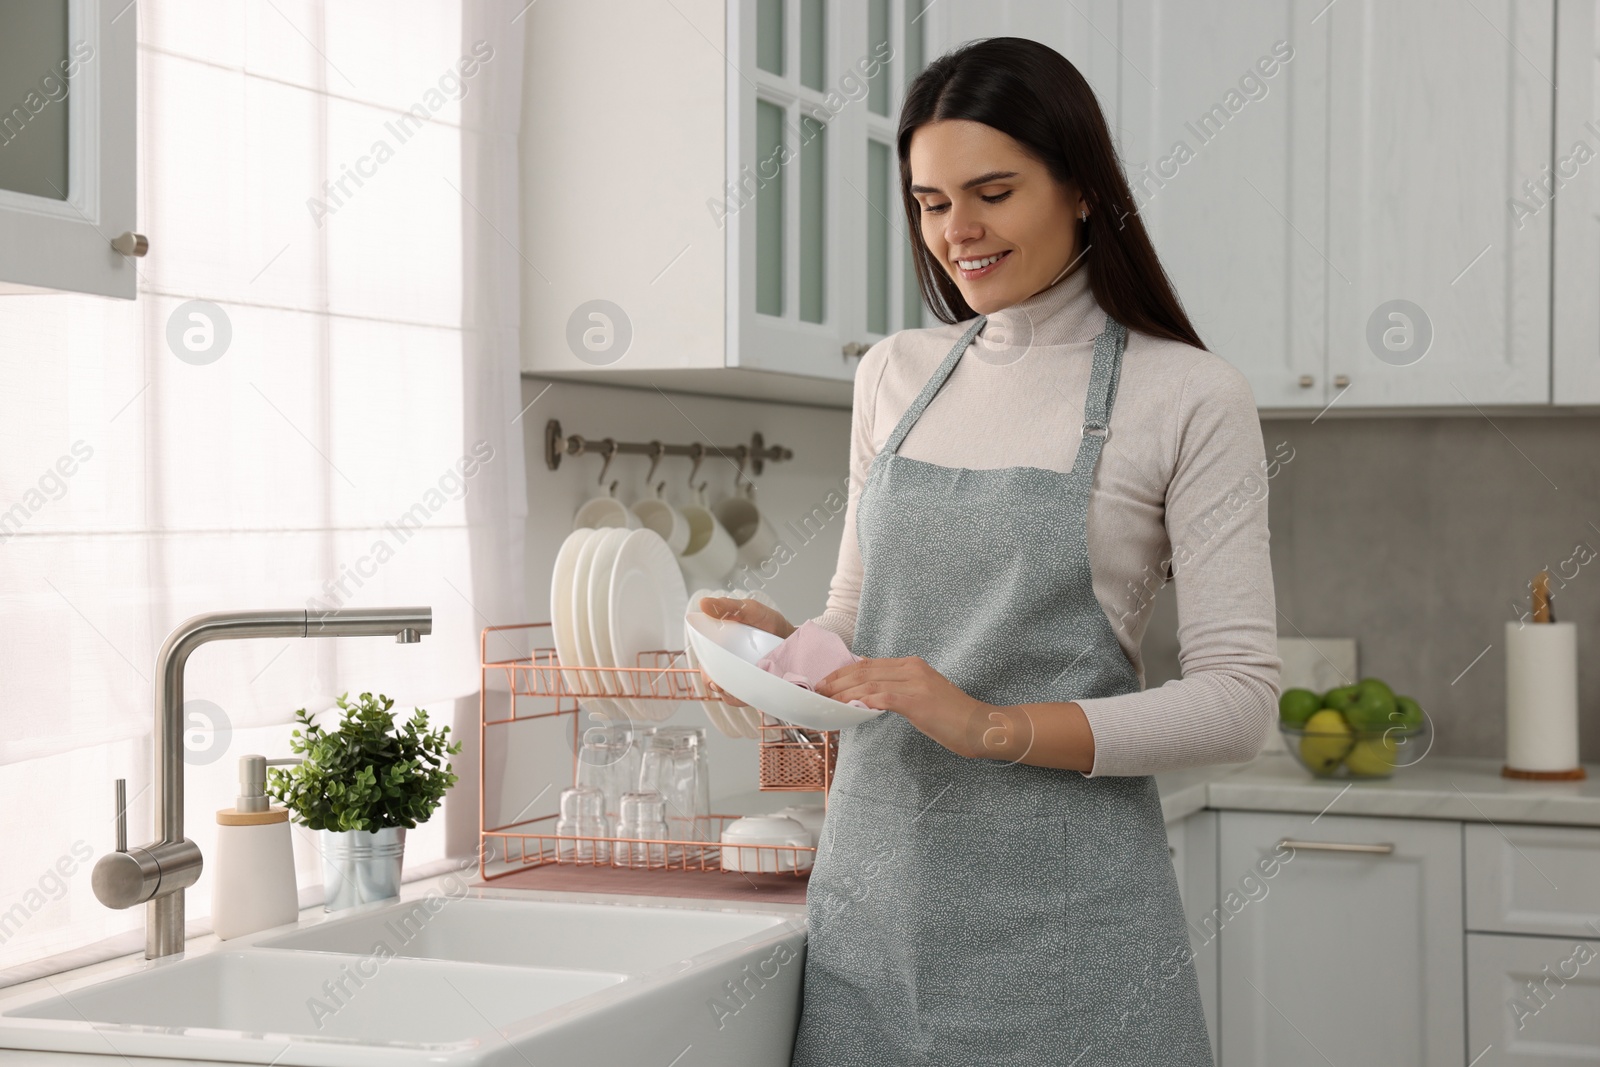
[[252, 882]]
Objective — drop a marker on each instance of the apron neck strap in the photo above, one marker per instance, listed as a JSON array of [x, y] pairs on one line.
[[1102, 393]]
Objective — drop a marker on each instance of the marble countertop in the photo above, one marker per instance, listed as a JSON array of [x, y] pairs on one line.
[[1437, 787]]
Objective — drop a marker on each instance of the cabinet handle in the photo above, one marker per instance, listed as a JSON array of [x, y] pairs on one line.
[[1341, 380], [1307, 381], [1335, 846], [131, 244], [854, 348]]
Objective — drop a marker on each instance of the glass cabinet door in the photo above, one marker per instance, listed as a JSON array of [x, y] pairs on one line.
[[67, 127], [893, 301], [819, 263]]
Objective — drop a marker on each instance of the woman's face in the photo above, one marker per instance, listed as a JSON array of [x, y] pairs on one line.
[[983, 196]]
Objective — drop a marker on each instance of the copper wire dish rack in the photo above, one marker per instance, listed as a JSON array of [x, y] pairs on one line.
[[791, 759]]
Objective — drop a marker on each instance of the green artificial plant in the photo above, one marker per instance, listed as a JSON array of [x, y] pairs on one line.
[[364, 775]]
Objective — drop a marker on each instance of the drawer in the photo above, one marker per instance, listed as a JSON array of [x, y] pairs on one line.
[[1534, 1000], [1533, 879]]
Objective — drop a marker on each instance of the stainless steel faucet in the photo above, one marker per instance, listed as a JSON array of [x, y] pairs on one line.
[[157, 874]]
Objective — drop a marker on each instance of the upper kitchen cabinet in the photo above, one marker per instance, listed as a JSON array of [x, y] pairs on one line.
[[1073, 29], [1222, 122], [710, 194], [1438, 258], [1568, 190], [67, 161], [1333, 189]]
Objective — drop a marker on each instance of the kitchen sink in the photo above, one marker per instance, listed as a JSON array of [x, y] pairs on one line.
[[479, 978], [595, 937]]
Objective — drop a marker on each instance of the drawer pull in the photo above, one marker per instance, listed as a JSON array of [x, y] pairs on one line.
[[1335, 846]]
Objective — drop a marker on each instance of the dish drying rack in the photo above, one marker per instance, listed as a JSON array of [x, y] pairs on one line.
[[790, 759]]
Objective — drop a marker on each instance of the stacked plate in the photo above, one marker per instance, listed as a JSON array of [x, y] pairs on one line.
[[615, 593], [730, 719]]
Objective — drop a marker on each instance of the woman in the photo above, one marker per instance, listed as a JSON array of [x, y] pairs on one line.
[[993, 882]]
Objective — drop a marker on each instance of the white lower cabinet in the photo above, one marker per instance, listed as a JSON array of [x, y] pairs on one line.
[[1533, 1001], [1533, 957], [1342, 941]]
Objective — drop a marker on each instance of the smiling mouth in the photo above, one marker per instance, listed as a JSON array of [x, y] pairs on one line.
[[980, 266]]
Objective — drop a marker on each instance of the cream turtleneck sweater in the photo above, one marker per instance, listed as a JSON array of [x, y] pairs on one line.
[[1182, 479]]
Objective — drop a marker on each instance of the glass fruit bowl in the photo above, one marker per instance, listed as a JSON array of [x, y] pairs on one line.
[[1352, 753]]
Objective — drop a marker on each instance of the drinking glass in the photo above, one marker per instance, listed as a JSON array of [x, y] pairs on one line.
[[668, 767], [582, 816], [603, 764], [693, 738], [644, 818]]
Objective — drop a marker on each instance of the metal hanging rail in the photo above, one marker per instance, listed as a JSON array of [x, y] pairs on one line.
[[556, 444]]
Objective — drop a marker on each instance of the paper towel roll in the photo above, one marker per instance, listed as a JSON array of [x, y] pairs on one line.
[[1542, 696]]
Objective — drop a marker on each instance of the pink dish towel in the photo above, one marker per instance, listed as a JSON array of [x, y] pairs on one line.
[[809, 655]]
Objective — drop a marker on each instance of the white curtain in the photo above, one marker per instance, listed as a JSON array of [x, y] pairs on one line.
[[338, 178]]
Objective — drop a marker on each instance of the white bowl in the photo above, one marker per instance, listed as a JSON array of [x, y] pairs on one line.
[[772, 830], [808, 815], [728, 652]]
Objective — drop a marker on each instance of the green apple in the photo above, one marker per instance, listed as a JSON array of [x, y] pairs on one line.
[[1408, 713], [1341, 696], [1373, 705], [1295, 706]]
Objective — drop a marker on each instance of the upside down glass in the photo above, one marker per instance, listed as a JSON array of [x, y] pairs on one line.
[[603, 764], [582, 816], [643, 817], [673, 765]]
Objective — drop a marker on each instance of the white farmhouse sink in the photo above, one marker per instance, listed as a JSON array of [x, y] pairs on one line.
[[478, 978], [585, 937]]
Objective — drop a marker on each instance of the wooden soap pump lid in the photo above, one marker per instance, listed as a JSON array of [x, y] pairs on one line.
[[234, 817]]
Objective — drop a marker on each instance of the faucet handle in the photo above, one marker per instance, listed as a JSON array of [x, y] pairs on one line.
[[127, 876], [122, 815]]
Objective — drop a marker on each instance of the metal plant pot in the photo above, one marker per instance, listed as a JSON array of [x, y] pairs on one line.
[[361, 866]]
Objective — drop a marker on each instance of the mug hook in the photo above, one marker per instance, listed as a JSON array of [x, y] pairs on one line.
[[610, 452], [657, 450], [697, 452]]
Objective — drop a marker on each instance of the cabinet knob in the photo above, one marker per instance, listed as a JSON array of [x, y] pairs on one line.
[[1307, 381], [131, 244], [853, 348], [1341, 380]]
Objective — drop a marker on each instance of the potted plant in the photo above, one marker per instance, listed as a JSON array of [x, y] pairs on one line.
[[361, 786]]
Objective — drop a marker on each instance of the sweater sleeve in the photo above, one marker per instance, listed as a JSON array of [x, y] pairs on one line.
[[1225, 703], [844, 591]]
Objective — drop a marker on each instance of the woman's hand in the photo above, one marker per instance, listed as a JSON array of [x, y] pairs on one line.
[[751, 612], [933, 704]]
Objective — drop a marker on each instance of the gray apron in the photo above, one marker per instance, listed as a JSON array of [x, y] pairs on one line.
[[975, 911]]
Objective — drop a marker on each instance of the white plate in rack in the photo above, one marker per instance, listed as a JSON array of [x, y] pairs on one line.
[[646, 604], [588, 681], [562, 618], [597, 620]]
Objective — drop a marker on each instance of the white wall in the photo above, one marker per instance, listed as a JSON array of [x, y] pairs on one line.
[[535, 755]]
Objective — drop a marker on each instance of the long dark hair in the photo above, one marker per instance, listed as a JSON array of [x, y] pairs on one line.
[[1032, 93]]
